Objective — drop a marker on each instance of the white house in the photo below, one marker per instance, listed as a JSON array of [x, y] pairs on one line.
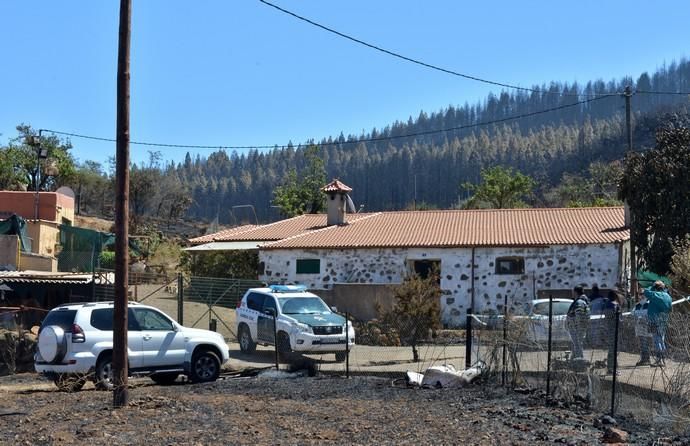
[[485, 257]]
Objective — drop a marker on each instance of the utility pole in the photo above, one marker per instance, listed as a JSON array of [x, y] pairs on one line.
[[633, 258], [120, 372]]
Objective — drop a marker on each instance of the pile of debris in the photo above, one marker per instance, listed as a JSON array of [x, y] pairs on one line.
[[17, 349], [445, 376]]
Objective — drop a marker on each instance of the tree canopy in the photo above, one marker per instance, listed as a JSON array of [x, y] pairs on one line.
[[301, 193], [656, 186], [500, 188]]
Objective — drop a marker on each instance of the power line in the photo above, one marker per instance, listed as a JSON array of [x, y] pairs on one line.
[[682, 93], [337, 143], [412, 60]]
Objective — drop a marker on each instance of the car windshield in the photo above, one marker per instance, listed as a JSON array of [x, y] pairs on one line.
[[560, 308], [302, 305]]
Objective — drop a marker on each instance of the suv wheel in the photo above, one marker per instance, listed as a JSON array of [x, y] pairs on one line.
[[340, 356], [69, 383], [104, 373], [165, 379], [247, 345], [205, 367]]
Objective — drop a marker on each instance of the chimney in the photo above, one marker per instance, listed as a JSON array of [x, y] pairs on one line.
[[336, 193]]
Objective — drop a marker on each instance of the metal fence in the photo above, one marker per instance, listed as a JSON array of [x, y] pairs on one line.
[[620, 371]]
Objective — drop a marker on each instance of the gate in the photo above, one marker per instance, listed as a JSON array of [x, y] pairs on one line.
[[210, 302]]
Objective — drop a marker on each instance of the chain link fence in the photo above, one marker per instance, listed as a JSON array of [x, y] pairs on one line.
[[621, 370]]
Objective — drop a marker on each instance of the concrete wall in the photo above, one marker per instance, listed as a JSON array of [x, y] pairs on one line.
[[558, 267], [35, 262], [360, 300], [44, 236], [51, 205], [9, 250]]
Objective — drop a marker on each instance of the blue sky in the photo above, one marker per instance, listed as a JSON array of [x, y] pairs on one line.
[[237, 72]]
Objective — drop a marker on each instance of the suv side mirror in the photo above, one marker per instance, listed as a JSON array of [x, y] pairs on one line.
[[270, 312], [334, 309]]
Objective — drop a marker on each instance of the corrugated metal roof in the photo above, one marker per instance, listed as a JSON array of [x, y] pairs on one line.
[[224, 233], [279, 230], [495, 227], [43, 277]]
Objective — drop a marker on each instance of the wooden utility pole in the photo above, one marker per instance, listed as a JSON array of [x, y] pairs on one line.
[[120, 372], [633, 258]]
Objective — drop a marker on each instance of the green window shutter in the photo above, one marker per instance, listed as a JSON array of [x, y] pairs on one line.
[[308, 266]]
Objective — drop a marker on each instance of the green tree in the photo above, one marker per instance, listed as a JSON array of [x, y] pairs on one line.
[[680, 265], [301, 193], [417, 310], [19, 164], [656, 186], [500, 188]]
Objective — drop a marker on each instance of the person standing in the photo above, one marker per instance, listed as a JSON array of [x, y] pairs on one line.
[[642, 332], [577, 321], [658, 311], [597, 329]]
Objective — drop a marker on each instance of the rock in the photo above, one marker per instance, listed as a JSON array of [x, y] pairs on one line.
[[614, 435], [607, 419]]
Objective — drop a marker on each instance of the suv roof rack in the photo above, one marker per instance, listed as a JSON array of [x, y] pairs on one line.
[[287, 288]]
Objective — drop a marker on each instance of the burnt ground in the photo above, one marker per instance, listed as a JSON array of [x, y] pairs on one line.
[[266, 409]]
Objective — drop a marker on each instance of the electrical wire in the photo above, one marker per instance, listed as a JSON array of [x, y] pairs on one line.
[[412, 60], [682, 93], [338, 143]]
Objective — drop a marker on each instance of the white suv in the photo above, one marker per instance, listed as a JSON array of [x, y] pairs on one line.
[[303, 322], [75, 343]]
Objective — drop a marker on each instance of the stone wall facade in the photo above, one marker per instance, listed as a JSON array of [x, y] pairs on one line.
[[555, 268]]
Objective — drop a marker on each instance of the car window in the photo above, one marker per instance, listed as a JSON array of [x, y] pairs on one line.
[[62, 318], [302, 305], [269, 304], [152, 320], [102, 319], [560, 308], [255, 301]]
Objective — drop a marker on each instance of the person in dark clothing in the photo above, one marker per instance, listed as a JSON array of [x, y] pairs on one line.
[[577, 321], [597, 328]]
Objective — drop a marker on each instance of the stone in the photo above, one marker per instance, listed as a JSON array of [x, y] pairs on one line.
[[614, 435]]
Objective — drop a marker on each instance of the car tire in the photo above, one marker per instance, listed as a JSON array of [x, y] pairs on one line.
[[340, 356], [69, 383], [165, 379], [205, 367], [52, 344], [104, 373], [284, 350], [244, 337]]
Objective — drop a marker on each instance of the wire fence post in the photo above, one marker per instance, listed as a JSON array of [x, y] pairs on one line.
[[468, 340], [275, 338], [180, 299], [615, 361], [548, 351], [505, 323], [347, 345]]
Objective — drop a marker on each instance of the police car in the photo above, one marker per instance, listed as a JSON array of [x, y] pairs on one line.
[[303, 322]]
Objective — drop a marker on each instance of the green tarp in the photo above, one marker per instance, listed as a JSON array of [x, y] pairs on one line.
[[80, 248], [16, 225], [647, 278]]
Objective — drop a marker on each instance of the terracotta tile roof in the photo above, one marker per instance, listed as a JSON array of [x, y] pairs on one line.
[[220, 234], [274, 231], [336, 186], [496, 227]]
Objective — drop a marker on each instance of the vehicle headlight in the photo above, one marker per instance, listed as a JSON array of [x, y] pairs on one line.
[[301, 328]]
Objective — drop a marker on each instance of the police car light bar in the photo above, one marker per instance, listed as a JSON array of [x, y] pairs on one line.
[[287, 288]]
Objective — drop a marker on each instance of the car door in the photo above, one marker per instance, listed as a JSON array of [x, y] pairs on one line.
[[101, 319], [162, 345], [266, 331]]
